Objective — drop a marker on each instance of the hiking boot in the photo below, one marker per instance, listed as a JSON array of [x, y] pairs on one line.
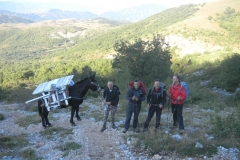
[[125, 130], [135, 130], [145, 129], [103, 128], [181, 131], [114, 127]]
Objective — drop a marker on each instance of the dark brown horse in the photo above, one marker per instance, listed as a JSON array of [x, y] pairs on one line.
[[76, 92]]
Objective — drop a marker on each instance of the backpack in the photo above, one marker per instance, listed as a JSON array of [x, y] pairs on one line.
[[185, 85], [116, 88], [162, 86], [141, 85]]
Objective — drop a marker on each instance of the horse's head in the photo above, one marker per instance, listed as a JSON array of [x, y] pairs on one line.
[[94, 86]]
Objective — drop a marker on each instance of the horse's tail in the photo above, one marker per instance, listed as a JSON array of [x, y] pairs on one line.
[[40, 110]]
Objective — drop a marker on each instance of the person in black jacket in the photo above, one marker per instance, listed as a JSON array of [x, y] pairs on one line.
[[156, 99], [135, 96], [111, 98]]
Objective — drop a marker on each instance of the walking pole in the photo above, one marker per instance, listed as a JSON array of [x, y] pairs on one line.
[[137, 114], [168, 112]]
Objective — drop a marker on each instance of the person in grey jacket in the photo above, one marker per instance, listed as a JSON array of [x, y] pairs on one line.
[[135, 96]]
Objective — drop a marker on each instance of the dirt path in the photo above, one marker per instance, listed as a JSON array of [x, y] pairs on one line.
[[95, 145]]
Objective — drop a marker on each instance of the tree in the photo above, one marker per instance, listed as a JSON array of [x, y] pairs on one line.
[[145, 60]]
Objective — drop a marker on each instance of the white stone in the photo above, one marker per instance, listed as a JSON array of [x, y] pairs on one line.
[[198, 145], [157, 157], [177, 137]]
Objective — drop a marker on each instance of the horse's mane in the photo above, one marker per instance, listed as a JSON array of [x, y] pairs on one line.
[[81, 81]]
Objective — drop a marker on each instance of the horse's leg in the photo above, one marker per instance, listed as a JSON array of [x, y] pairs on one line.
[[43, 121], [41, 108], [72, 114], [46, 119], [78, 117]]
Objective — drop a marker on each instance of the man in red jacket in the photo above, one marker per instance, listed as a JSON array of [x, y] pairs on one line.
[[177, 93]]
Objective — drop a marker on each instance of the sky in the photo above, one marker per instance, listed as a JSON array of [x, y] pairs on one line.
[[99, 6]]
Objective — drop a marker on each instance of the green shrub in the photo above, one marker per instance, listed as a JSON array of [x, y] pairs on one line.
[[227, 128], [68, 146], [29, 154], [156, 143], [13, 141], [233, 100], [199, 94], [226, 74]]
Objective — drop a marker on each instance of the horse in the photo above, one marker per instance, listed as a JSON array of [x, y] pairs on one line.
[[76, 92]]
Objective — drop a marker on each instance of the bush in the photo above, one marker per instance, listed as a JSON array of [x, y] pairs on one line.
[[68, 146], [226, 74], [29, 154], [227, 127], [14, 141], [234, 99], [199, 94]]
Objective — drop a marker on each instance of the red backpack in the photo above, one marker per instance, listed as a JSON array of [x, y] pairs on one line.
[[131, 85]]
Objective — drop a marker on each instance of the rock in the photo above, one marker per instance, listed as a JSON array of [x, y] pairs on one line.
[[237, 90], [198, 145], [204, 157], [157, 157], [128, 141], [210, 138], [214, 88], [92, 119], [166, 132], [204, 83], [123, 147], [189, 158], [177, 137]]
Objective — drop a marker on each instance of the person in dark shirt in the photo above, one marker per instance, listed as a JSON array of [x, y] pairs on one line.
[[111, 98], [135, 96], [156, 99]]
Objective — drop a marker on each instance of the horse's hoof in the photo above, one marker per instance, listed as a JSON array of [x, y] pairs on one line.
[[72, 123], [49, 125], [79, 119], [44, 127]]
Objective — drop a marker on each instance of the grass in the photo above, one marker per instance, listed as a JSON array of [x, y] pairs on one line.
[[26, 121], [205, 113], [1, 116], [9, 143], [67, 147], [29, 154], [63, 132]]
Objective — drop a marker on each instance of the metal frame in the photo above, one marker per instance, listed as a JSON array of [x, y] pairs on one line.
[[53, 92]]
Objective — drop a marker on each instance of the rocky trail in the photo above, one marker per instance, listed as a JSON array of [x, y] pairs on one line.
[[94, 145]]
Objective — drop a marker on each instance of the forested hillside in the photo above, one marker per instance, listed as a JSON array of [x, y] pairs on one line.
[[12, 19], [34, 53]]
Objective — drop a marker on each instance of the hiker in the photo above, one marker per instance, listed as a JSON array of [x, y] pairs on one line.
[[135, 96], [111, 98], [156, 99], [177, 93]]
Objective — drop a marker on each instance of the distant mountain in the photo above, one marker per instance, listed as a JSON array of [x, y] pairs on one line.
[[53, 14], [12, 19], [135, 13]]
